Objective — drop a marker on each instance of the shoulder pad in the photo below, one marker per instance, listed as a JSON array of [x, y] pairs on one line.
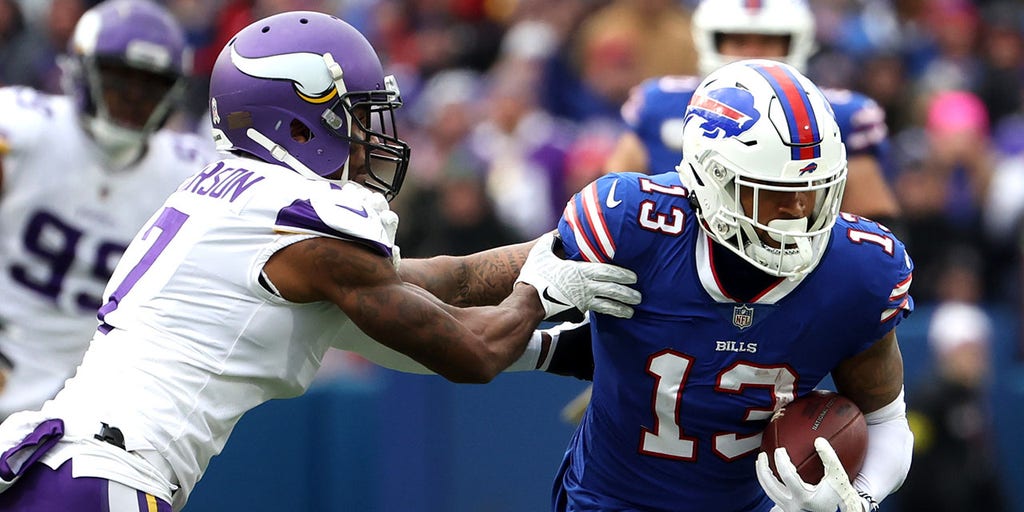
[[336, 213]]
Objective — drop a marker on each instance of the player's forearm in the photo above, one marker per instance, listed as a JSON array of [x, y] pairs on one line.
[[890, 450], [480, 279], [507, 328]]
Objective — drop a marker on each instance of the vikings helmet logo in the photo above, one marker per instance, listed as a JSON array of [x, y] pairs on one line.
[[305, 70], [727, 112]]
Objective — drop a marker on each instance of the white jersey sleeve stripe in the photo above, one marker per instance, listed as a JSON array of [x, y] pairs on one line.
[[891, 313], [901, 289], [587, 251], [592, 207]]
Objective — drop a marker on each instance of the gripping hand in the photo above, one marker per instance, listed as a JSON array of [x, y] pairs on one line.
[[792, 494], [565, 284]]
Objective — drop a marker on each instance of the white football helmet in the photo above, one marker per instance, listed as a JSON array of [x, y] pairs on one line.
[[791, 18], [762, 126]]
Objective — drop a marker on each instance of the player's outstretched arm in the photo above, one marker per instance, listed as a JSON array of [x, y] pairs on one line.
[[487, 277], [480, 279], [462, 345]]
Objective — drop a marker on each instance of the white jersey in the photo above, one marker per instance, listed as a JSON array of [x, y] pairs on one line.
[[191, 339], [65, 219]]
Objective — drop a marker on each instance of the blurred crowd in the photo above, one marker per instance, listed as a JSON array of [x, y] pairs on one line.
[[513, 105]]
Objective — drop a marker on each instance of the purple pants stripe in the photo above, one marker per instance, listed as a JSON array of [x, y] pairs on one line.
[[42, 489]]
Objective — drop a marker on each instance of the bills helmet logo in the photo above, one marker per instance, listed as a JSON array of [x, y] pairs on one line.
[[727, 112], [809, 168]]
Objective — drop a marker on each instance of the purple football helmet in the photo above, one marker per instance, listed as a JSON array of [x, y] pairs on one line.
[[300, 88], [125, 67]]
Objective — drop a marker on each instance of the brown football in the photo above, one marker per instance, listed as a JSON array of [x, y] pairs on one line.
[[820, 413]]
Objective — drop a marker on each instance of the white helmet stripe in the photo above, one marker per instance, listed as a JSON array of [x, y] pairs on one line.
[[306, 70]]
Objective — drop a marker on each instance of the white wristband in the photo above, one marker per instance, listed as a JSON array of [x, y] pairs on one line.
[[890, 449]]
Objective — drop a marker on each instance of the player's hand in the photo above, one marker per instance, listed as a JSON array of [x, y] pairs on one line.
[[565, 284], [792, 494]]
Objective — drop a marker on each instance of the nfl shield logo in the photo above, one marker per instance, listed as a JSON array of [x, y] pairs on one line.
[[742, 316]]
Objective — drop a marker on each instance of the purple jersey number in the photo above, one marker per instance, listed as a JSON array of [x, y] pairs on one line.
[[54, 244], [169, 222]]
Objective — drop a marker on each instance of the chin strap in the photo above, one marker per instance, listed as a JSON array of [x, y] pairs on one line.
[[282, 155]]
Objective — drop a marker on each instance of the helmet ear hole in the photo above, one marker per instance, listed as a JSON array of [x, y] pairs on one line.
[[300, 132]]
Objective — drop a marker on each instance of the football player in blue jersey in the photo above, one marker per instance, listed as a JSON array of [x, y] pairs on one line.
[[755, 288], [726, 30]]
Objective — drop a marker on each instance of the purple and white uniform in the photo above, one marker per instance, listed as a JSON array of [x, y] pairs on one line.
[[198, 361], [65, 218]]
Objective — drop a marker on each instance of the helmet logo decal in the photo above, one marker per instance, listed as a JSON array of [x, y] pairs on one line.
[[727, 112], [305, 70], [804, 135], [809, 168]]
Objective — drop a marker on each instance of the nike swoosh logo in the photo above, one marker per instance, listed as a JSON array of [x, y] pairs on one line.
[[547, 296], [611, 202], [360, 212]]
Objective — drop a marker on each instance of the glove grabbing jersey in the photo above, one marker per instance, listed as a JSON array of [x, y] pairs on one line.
[[565, 284], [792, 494]]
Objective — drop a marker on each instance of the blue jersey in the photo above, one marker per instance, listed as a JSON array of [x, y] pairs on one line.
[[683, 390], [655, 111]]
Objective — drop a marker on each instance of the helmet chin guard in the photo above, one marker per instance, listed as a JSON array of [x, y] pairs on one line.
[[759, 127]]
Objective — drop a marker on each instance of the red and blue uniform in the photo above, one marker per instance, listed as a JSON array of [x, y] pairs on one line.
[[683, 389]]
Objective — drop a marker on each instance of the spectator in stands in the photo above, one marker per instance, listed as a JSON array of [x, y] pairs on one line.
[[954, 465], [22, 48]]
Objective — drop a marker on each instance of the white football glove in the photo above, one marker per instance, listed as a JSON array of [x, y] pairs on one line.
[[792, 494], [564, 284]]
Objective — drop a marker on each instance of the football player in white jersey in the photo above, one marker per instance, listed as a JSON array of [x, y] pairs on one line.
[[80, 174], [254, 267]]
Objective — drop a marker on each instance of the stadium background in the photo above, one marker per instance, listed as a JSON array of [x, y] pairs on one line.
[[512, 105]]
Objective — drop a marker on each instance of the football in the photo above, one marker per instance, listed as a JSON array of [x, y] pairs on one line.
[[818, 414]]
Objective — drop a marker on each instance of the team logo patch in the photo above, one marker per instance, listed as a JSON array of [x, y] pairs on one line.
[[742, 316], [811, 167], [727, 112], [303, 69]]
